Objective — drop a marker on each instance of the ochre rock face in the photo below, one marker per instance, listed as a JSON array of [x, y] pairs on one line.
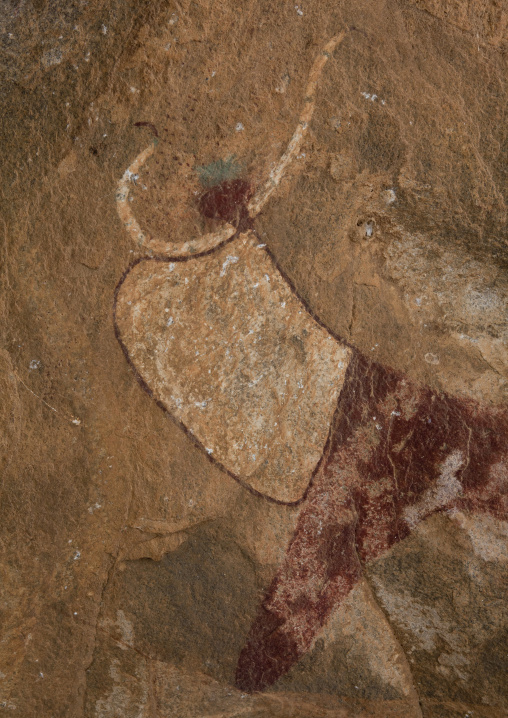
[[140, 576]]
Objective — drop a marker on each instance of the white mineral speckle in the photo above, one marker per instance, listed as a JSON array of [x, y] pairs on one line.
[[389, 196], [431, 358], [229, 260], [372, 97]]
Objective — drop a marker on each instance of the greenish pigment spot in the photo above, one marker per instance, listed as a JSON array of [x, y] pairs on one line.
[[219, 171]]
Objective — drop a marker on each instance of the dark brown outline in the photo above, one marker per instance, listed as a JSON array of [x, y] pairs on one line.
[[161, 405], [148, 124]]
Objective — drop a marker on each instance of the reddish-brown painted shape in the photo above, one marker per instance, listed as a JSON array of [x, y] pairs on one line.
[[398, 452], [226, 201], [320, 569]]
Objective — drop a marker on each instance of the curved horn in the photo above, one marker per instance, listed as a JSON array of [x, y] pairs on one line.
[[143, 239], [262, 195], [209, 241]]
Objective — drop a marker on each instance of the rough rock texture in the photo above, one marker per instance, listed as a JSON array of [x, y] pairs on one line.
[[132, 567]]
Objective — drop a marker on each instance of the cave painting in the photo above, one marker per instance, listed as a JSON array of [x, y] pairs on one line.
[[217, 335]]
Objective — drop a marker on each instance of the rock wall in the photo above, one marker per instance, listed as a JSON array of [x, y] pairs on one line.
[[133, 564]]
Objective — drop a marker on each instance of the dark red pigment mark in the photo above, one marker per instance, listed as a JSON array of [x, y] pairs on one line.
[[227, 201], [147, 124], [390, 443]]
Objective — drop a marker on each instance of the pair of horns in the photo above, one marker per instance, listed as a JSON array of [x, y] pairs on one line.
[[209, 241]]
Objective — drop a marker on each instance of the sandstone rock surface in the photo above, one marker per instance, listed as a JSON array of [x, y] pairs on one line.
[[132, 567]]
